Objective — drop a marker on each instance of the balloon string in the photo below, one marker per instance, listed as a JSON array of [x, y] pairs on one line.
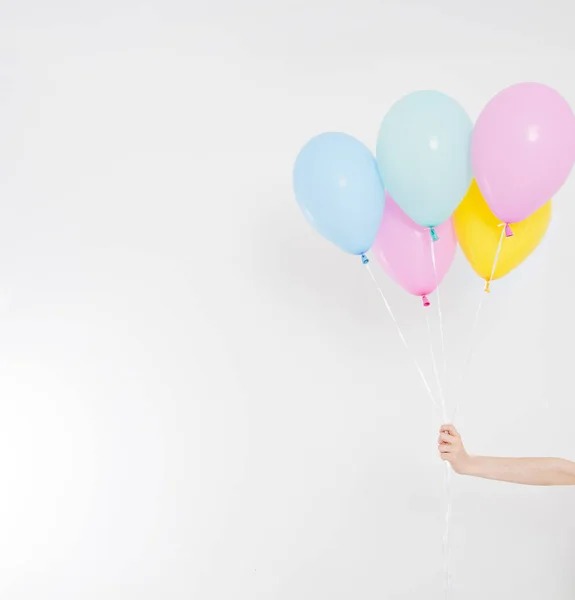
[[496, 259], [435, 369], [446, 535], [439, 311], [402, 337], [447, 471], [447, 479], [469, 356], [472, 344]]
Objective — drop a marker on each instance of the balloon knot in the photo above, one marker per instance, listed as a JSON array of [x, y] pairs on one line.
[[364, 259], [487, 288], [508, 230], [434, 235], [425, 300]]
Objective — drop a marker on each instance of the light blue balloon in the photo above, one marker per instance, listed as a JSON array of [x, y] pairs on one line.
[[339, 189], [424, 155]]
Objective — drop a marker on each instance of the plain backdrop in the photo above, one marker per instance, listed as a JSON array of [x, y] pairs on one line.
[[200, 397]]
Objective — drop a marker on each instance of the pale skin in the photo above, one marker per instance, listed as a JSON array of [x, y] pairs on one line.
[[525, 471]]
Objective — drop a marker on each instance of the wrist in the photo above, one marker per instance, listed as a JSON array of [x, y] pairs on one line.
[[465, 465]]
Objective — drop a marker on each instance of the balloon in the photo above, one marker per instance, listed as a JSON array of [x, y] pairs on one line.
[[479, 233], [423, 153], [404, 250], [522, 150], [339, 189]]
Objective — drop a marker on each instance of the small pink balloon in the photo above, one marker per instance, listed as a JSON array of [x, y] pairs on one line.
[[523, 149], [404, 250]]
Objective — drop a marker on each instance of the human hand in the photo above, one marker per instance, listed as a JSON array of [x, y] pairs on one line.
[[451, 449]]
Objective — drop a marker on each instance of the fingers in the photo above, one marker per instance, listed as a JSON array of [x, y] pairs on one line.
[[450, 429], [447, 438], [448, 453], [445, 448], [448, 443]]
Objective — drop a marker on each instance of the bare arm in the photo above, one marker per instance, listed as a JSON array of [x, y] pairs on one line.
[[526, 471]]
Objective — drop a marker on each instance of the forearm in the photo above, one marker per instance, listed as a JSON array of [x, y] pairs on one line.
[[526, 471]]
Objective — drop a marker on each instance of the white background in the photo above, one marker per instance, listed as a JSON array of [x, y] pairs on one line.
[[200, 398]]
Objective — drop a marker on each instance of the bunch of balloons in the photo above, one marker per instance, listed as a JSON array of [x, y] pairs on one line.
[[437, 180]]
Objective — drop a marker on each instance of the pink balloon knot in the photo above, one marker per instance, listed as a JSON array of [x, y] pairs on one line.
[[508, 230], [426, 302]]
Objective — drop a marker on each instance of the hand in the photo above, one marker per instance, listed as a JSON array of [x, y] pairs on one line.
[[451, 449]]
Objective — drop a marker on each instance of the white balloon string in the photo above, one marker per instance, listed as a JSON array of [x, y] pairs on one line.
[[446, 474], [446, 535], [468, 357], [434, 361], [442, 405], [496, 259], [440, 313], [402, 337], [472, 341], [447, 471]]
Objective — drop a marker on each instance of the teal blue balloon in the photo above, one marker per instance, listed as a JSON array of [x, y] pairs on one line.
[[424, 155], [339, 190]]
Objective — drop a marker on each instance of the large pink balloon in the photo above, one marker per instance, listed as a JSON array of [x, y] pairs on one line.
[[522, 149], [403, 248]]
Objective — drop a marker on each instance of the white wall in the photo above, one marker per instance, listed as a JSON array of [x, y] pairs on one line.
[[200, 398]]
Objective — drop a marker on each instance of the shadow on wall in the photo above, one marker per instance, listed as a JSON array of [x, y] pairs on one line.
[[300, 268]]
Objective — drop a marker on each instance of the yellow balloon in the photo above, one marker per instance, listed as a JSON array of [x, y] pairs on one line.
[[479, 233]]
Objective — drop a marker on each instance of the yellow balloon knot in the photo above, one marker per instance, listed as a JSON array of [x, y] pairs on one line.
[[487, 287]]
